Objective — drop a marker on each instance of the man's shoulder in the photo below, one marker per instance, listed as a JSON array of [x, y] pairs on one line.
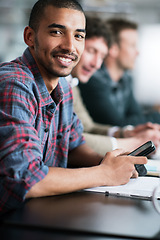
[[16, 64], [76, 90], [15, 70], [100, 77], [77, 98], [128, 78]]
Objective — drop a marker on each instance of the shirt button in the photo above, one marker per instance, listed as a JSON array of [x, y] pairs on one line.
[[46, 129], [59, 136]]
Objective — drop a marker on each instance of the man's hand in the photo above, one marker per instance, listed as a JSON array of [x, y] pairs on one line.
[[141, 128], [118, 168], [150, 135]]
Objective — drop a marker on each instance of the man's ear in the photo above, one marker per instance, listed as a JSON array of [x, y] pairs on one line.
[[29, 36], [114, 50]]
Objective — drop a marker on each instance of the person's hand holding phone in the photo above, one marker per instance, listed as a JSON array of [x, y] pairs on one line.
[[143, 150]]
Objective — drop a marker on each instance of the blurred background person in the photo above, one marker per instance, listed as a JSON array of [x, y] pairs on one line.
[[108, 95], [97, 43]]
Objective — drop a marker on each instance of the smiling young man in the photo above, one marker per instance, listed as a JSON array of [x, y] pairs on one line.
[[40, 135]]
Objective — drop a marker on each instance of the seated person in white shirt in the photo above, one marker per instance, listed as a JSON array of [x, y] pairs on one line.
[[98, 136]]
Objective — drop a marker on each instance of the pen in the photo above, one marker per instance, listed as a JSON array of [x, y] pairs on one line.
[[117, 194], [128, 196]]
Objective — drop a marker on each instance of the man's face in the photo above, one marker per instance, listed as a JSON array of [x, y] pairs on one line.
[[127, 49], [94, 53], [59, 41]]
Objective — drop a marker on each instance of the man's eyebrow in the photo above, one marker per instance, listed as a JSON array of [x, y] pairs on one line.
[[55, 25], [81, 30]]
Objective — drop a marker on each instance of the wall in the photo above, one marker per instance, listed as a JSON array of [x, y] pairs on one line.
[[14, 17]]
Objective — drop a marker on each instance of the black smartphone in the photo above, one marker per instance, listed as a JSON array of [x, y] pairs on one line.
[[143, 150]]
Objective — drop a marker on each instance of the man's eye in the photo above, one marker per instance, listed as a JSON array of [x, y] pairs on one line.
[[79, 36], [56, 32]]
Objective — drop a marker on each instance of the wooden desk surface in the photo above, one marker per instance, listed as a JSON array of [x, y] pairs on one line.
[[89, 214]]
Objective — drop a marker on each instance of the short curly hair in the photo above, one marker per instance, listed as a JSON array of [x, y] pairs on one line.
[[97, 27], [38, 9]]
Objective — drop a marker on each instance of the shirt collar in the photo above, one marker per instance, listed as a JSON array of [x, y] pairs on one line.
[[73, 81], [121, 81]]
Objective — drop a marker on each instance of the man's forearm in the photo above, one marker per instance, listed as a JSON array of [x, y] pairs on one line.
[[114, 169], [64, 180]]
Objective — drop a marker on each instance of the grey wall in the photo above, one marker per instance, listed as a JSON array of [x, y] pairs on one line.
[[14, 17]]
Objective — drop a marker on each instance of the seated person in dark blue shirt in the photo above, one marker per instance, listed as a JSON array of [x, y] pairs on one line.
[[108, 95]]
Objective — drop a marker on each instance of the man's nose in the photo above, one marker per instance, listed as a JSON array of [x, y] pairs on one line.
[[68, 43]]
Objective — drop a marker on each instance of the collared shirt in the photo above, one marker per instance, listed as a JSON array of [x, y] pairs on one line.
[[114, 103], [90, 127], [37, 130]]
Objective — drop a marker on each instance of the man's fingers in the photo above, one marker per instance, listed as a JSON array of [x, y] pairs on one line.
[[134, 174], [118, 152], [138, 159]]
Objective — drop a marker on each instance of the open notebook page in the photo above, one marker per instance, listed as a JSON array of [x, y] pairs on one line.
[[141, 187]]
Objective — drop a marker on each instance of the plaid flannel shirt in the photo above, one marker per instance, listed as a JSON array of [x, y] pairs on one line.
[[37, 130]]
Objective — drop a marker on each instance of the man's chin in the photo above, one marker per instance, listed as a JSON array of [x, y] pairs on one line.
[[65, 72], [62, 74]]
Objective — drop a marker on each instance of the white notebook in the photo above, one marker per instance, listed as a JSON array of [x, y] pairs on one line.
[[141, 187]]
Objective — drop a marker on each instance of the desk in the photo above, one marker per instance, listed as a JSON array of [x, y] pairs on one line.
[[85, 215]]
